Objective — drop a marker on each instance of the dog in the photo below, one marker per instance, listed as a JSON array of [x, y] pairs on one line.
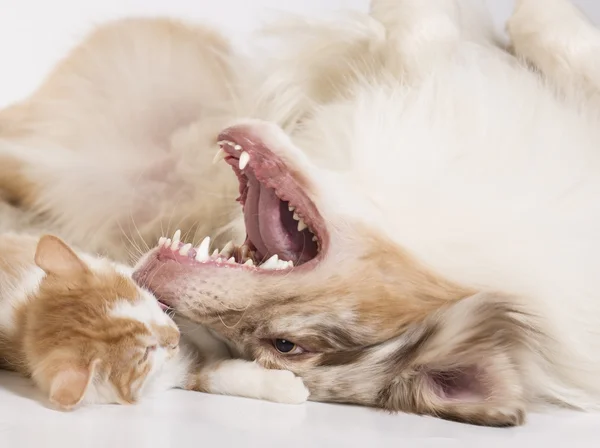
[[418, 229]]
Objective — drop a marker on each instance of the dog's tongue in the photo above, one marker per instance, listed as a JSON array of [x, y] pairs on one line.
[[251, 214], [270, 226]]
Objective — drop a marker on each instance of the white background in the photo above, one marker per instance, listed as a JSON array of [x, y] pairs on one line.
[[35, 33]]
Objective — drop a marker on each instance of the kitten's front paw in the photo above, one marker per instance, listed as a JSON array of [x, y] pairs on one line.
[[282, 386]]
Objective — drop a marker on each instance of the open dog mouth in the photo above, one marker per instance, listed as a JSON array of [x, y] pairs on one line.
[[283, 227]]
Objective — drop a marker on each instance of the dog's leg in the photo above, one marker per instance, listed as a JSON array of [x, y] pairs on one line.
[[423, 33], [555, 37], [248, 379], [115, 147]]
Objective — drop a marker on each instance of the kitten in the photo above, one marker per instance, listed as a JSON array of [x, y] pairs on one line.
[[86, 333]]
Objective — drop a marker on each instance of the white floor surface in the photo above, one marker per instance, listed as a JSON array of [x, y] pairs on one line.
[[181, 419]]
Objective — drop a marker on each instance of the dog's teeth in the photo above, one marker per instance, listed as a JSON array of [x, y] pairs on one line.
[[176, 240], [215, 253], [220, 155], [244, 252], [290, 264], [202, 253], [296, 217], [291, 208], [233, 145], [301, 226], [168, 242], [161, 241], [185, 249], [227, 250], [315, 239], [244, 159], [271, 263], [231, 260], [282, 264], [249, 262]]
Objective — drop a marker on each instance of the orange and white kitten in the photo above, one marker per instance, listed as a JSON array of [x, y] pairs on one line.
[[86, 333]]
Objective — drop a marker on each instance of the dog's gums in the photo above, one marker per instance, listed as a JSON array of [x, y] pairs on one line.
[[283, 227]]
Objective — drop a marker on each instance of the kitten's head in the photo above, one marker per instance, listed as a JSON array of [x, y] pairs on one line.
[[92, 335]]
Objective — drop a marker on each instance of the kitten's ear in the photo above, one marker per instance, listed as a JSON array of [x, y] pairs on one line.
[[69, 384], [54, 257], [462, 364]]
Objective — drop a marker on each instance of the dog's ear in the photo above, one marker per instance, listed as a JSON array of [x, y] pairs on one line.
[[462, 364]]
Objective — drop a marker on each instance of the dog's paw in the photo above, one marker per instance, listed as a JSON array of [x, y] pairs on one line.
[[505, 417], [541, 23], [282, 386], [499, 416]]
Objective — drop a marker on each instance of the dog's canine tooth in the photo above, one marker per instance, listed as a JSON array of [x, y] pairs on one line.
[[202, 252], [301, 226], [271, 263], [185, 249], [244, 159], [220, 155]]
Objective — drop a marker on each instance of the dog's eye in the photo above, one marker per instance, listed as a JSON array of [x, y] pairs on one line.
[[287, 347]]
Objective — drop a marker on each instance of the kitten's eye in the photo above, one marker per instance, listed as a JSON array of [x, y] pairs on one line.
[[287, 347], [149, 350]]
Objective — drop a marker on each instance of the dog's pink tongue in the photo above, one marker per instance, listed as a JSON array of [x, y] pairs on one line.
[[251, 215], [266, 229], [278, 238]]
